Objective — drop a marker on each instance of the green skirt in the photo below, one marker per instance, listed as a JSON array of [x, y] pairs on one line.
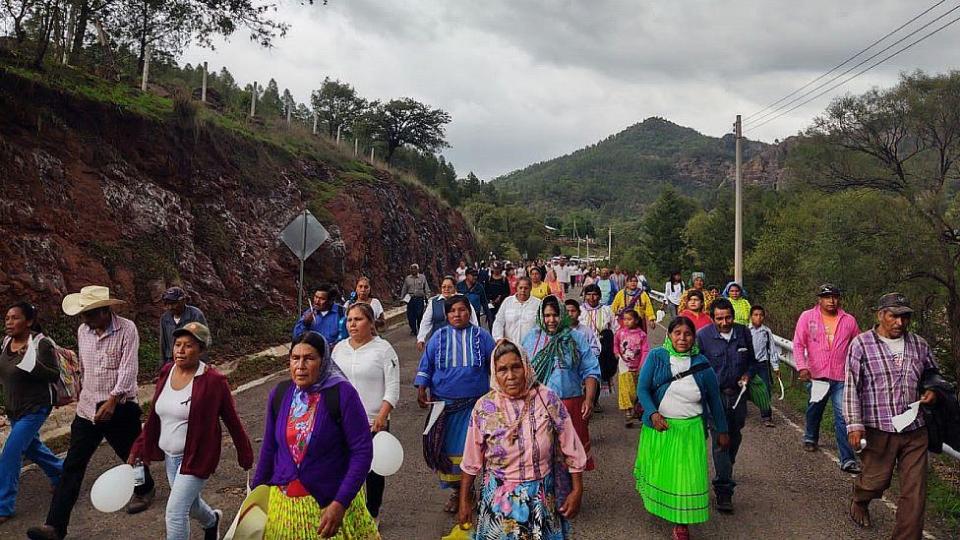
[[671, 471]]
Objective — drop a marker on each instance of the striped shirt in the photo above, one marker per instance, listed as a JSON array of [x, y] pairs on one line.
[[880, 385], [109, 363]]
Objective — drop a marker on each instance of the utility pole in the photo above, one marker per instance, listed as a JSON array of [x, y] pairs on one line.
[[253, 101], [338, 135], [203, 86], [146, 67], [314, 123], [356, 146], [609, 244], [738, 221]]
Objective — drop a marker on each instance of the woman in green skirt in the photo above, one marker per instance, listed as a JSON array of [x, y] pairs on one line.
[[677, 387]]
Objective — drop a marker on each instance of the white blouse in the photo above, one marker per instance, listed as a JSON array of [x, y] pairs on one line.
[[373, 369], [682, 399]]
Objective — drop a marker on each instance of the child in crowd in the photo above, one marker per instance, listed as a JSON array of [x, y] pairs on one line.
[[767, 353], [631, 347]]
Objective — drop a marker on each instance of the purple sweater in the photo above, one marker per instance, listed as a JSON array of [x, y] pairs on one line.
[[337, 459]]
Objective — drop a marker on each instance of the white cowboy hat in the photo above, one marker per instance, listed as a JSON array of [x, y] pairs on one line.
[[91, 297]]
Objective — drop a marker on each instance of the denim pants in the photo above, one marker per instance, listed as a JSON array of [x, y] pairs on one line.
[[723, 460], [184, 502], [24, 440], [414, 313], [815, 415]]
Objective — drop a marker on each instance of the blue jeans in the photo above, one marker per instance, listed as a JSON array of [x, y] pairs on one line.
[[184, 502], [815, 415], [24, 440]]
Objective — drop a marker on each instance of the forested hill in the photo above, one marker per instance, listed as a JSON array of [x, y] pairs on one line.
[[624, 172]]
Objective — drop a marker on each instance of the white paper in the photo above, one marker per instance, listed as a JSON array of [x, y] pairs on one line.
[[906, 418], [436, 407], [405, 299], [743, 390], [818, 390], [30, 357]]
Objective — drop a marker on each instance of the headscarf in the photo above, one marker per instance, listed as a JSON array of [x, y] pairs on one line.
[[531, 376], [701, 275], [560, 345], [330, 374], [501, 397], [726, 290], [668, 346]]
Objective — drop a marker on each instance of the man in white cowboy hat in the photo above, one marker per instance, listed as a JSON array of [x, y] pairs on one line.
[[107, 407]]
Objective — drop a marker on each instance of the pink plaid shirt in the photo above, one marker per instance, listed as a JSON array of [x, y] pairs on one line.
[[109, 363]]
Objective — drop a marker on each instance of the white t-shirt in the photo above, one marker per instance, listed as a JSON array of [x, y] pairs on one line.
[[375, 305], [461, 274], [173, 409], [726, 335], [682, 399], [373, 369], [896, 346]]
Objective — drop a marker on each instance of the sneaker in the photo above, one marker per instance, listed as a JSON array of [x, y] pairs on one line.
[[809, 446], [139, 503], [213, 532], [851, 467], [681, 532], [725, 503], [43, 532]]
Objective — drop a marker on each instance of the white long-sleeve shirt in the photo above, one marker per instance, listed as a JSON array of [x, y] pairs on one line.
[[673, 292], [426, 322], [515, 318], [374, 370]]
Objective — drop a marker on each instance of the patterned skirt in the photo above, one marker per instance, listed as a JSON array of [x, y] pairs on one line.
[[528, 511], [671, 471], [298, 518]]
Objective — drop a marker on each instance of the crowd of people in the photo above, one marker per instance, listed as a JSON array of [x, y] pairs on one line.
[[513, 360]]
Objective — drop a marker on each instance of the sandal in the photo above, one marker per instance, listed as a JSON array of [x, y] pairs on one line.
[[860, 514], [453, 503]]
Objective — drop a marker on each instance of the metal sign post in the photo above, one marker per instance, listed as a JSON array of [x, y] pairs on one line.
[[303, 236]]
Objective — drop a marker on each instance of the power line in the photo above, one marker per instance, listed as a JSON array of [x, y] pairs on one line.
[[845, 62], [861, 72]]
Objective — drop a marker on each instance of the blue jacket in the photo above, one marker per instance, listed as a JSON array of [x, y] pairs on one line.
[[327, 325], [656, 370], [729, 359], [477, 296]]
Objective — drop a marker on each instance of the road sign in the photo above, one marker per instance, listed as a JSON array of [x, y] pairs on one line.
[[304, 235]]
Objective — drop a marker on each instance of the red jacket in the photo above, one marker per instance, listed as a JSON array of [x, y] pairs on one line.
[[201, 454]]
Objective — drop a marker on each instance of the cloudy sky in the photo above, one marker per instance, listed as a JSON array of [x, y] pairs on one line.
[[528, 80]]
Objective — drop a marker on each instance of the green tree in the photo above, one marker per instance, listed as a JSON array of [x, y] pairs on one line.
[[663, 226], [406, 121], [337, 105]]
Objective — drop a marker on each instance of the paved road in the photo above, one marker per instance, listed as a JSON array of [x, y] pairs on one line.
[[782, 492]]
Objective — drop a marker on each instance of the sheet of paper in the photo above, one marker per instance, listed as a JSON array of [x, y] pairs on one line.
[[818, 390], [906, 418], [406, 299], [30, 357], [436, 407]]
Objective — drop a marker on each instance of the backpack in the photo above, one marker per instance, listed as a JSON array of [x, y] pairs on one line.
[[331, 398], [66, 389]]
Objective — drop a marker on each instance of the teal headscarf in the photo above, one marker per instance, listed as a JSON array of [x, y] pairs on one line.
[[560, 347]]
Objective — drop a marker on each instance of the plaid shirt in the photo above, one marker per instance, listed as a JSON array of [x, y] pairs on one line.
[[879, 386], [109, 364]]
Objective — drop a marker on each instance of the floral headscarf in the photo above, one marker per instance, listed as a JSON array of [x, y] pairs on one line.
[[531, 376]]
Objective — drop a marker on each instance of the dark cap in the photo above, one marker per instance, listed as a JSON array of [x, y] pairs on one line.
[[174, 294], [895, 303], [198, 331], [829, 289]]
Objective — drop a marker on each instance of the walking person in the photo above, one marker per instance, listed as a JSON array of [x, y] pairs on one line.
[[573, 311], [474, 291], [323, 316], [821, 343], [107, 408], [496, 289], [538, 288], [632, 297], [461, 271], [518, 314], [738, 299], [455, 369], [768, 356], [371, 365], [363, 294], [672, 291], [631, 347], [183, 430], [415, 287], [695, 309], [885, 369], [564, 362], [598, 318], [608, 287], [697, 283], [177, 314], [554, 285], [316, 451], [677, 389], [729, 348], [27, 402], [435, 316], [522, 441]]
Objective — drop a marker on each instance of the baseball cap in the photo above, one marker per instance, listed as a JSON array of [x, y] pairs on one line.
[[199, 331], [829, 289], [895, 303], [173, 294]]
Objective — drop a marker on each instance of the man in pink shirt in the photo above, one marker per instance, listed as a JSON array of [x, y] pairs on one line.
[[820, 345]]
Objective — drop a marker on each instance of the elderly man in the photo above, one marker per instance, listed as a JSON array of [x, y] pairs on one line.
[[517, 315], [820, 344], [107, 408], [415, 291], [323, 316], [885, 369], [177, 315]]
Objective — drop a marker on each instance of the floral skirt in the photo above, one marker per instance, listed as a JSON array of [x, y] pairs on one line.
[[298, 518], [671, 471], [526, 511]]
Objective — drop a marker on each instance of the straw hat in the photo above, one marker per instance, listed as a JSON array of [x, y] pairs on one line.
[[90, 297]]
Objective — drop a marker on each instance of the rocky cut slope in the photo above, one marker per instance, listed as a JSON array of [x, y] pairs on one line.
[[95, 193]]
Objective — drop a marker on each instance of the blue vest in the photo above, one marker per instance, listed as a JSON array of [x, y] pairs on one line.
[[439, 316]]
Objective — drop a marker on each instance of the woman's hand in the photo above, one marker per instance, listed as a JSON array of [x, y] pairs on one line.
[[571, 506], [331, 520], [421, 346], [465, 515], [659, 422], [379, 424], [422, 398]]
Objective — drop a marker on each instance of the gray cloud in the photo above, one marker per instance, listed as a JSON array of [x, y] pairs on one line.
[[529, 80]]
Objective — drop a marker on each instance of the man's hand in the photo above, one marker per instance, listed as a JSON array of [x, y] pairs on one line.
[[929, 398], [659, 422], [854, 438], [804, 375], [105, 411], [744, 380], [308, 317], [586, 410], [421, 346], [331, 520], [723, 440], [422, 398]]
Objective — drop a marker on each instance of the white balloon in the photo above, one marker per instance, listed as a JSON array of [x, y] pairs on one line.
[[387, 454], [113, 490]]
